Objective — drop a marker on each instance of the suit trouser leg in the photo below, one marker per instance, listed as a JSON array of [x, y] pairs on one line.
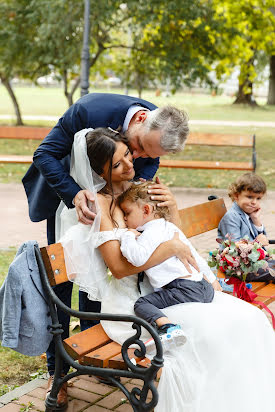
[[87, 305], [64, 293], [176, 292]]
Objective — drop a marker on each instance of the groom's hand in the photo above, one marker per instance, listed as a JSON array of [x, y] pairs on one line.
[[81, 201]]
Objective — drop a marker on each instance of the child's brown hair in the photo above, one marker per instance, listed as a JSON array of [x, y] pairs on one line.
[[248, 181], [138, 192]]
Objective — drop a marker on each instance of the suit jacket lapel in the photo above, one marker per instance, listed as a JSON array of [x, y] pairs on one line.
[[34, 271], [244, 218]]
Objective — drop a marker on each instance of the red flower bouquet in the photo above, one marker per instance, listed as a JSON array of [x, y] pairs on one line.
[[236, 260]]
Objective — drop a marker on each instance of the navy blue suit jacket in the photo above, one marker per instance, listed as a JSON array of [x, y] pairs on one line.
[[48, 181]]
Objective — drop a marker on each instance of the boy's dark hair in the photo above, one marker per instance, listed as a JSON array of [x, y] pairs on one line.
[[248, 181], [138, 192]]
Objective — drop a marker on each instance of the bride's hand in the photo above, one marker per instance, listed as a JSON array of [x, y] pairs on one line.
[[183, 253], [81, 201]]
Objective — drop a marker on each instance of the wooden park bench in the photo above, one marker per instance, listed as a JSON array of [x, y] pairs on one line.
[[196, 139], [218, 140], [92, 351], [22, 133]]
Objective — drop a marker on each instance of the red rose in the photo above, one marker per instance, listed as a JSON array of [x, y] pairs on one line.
[[229, 263], [222, 269], [262, 254]]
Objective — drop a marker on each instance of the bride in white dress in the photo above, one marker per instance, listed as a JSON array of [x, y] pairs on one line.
[[228, 362]]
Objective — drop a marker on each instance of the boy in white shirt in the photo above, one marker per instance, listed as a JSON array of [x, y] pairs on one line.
[[172, 282]]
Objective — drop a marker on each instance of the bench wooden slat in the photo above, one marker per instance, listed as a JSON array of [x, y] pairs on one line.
[[202, 218], [15, 159], [117, 362], [177, 164], [199, 164], [24, 132], [266, 294], [215, 139], [257, 286], [53, 258], [100, 357], [86, 341]]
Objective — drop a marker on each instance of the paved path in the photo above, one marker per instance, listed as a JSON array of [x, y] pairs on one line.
[[85, 394], [235, 123]]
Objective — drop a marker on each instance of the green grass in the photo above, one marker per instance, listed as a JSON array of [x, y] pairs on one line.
[[15, 368], [51, 102]]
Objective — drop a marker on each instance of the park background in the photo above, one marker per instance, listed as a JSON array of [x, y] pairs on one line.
[[214, 59]]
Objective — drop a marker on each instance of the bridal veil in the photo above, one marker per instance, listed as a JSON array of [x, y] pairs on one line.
[[84, 264]]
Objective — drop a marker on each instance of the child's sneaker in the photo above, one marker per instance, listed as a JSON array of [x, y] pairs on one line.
[[171, 336]]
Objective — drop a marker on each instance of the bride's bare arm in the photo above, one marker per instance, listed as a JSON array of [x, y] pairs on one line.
[[118, 264]]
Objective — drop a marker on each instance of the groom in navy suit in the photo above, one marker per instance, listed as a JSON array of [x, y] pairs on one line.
[[151, 132]]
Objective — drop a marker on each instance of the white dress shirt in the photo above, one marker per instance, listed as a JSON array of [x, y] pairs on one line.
[[138, 250]]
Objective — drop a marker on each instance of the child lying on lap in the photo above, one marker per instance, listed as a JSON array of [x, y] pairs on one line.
[[149, 227]]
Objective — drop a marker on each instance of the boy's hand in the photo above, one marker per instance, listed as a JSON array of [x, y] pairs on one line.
[[255, 217], [136, 233], [262, 239]]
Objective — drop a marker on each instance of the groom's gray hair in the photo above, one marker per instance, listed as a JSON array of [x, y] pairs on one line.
[[173, 124]]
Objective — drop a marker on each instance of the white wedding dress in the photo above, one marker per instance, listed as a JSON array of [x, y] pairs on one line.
[[228, 361]]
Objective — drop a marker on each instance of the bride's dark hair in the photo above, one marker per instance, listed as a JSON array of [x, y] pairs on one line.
[[101, 146]]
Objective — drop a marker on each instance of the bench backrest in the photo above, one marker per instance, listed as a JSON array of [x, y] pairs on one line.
[[24, 132], [194, 221], [215, 139], [202, 218], [209, 139]]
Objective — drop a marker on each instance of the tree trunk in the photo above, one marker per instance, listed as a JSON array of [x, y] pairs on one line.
[[6, 83], [139, 85], [271, 85], [75, 86], [245, 93], [69, 95]]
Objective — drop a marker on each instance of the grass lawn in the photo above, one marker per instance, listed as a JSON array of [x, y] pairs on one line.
[[15, 368], [51, 102]]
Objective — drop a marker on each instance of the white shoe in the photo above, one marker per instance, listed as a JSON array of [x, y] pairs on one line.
[[171, 339]]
